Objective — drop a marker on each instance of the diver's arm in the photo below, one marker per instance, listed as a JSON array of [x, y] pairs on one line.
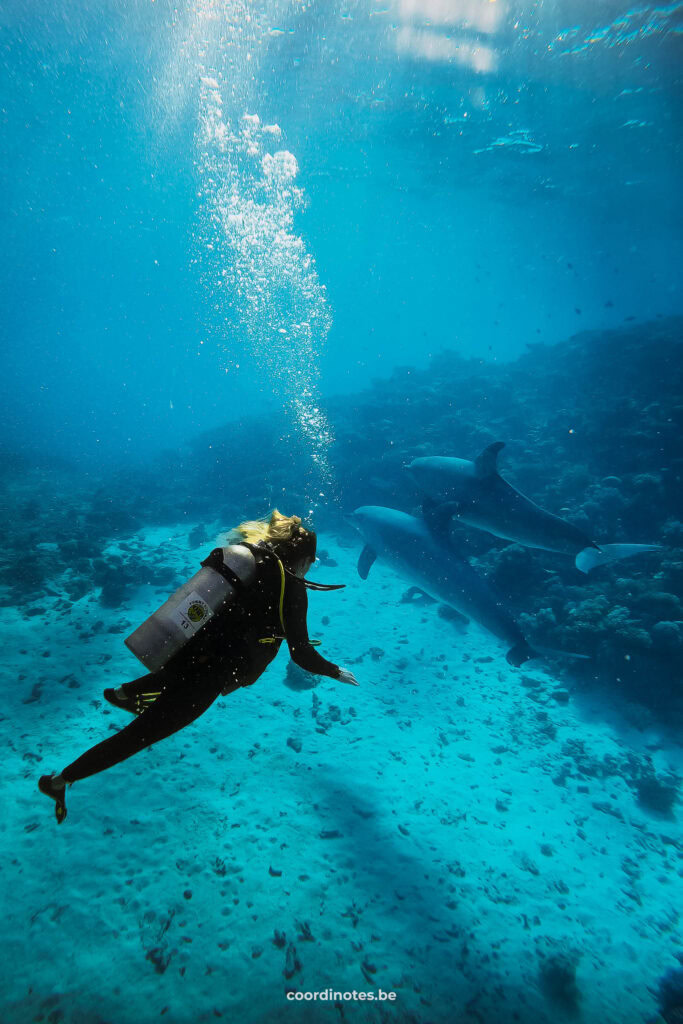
[[300, 648]]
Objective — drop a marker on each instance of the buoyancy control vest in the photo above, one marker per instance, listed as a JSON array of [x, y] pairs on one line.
[[226, 576]]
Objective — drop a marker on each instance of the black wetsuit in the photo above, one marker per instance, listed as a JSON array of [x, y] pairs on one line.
[[223, 656]]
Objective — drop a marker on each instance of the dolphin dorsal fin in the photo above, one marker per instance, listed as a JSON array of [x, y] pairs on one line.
[[486, 463], [367, 557]]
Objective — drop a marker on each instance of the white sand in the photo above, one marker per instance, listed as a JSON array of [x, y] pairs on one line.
[[435, 779]]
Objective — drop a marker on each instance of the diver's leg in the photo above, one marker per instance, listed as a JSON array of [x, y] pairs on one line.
[[145, 684], [136, 695], [181, 700]]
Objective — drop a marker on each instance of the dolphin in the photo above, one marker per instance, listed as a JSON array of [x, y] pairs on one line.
[[476, 494], [406, 544]]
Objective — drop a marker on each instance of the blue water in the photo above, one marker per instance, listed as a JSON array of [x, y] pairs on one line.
[[265, 254]]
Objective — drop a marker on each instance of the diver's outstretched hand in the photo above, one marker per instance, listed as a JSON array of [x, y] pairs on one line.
[[347, 677]]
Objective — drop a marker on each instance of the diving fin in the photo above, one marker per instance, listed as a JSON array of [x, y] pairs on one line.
[[58, 795], [367, 557], [124, 703], [590, 558]]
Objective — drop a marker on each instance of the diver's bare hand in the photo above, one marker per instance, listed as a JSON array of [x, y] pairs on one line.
[[347, 677]]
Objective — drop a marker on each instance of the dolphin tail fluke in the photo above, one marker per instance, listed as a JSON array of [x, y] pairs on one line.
[[520, 653], [590, 558]]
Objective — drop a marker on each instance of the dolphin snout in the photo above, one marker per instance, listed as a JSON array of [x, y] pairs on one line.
[[415, 470]]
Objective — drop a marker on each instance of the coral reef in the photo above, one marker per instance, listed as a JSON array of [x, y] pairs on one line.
[[593, 433], [299, 679]]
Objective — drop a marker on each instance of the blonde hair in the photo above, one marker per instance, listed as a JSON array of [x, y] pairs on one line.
[[277, 529]]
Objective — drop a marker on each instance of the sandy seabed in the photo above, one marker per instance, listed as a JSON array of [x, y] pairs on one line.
[[437, 833]]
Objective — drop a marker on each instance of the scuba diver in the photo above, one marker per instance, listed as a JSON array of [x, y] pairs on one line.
[[232, 649]]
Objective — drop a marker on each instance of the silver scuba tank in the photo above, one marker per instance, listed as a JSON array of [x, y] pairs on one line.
[[191, 606]]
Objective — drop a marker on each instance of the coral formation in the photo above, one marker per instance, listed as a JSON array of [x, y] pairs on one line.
[[593, 429]]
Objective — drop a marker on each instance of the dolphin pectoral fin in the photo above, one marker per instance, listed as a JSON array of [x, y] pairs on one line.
[[367, 557], [486, 464], [591, 558], [437, 516]]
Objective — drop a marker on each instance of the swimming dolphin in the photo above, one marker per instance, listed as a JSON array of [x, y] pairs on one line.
[[409, 547], [477, 495]]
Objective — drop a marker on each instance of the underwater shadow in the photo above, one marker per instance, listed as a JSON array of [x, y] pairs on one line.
[[397, 871]]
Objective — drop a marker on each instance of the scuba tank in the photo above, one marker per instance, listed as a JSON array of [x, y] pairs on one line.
[[191, 606], [224, 577]]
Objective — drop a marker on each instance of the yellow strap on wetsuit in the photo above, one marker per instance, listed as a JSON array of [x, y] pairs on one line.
[[272, 639]]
